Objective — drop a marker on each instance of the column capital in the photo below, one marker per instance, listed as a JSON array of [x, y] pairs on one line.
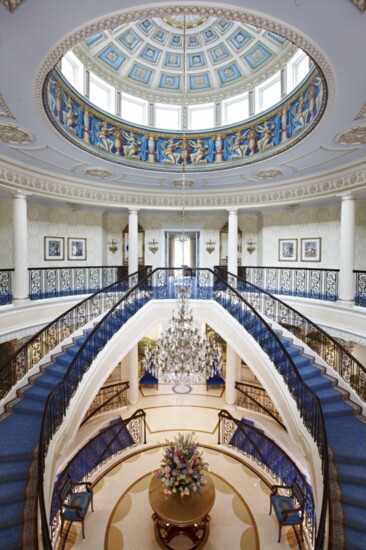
[[133, 210], [20, 195], [232, 211], [347, 196]]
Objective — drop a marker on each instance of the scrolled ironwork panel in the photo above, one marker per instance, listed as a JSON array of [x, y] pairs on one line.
[[315, 284], [66, 281], [285, 281], [271, 284], [35, 283], [331, 286], [300, 283]]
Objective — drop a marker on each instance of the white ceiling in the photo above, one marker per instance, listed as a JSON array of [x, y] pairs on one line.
[[334, 30]]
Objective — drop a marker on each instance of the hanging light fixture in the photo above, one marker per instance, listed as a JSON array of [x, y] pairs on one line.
[[181, 354]]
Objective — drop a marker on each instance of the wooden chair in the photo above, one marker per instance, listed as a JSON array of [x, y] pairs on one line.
[[74, 506], [289, 507]]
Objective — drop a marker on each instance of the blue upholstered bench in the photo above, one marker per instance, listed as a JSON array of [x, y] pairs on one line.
[[149, 379], [74, 506], [215, 380], [288, 503]]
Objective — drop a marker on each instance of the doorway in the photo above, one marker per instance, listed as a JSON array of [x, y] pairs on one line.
[[179, 252]]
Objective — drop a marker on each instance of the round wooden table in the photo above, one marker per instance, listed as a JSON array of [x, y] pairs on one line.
[[187, 516]]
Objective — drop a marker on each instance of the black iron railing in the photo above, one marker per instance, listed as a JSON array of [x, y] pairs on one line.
[[107, 399], [58, 400], [319, 284], [113, 440], [328, 348], [255, 444], [257, 399], [52, 282], [6, 286], [360, 294], [30, 353], [161, 284], [307, 401]]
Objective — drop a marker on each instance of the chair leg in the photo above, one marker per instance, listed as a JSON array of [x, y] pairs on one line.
[[270, 507], [82, 526], [279, 532]]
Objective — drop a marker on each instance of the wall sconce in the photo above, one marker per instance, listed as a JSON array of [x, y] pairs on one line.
[[210, 246], [153, 246], [113, 246], [250, 246]]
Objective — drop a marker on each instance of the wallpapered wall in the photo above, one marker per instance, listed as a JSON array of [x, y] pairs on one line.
[[298, 223], [264, 229]]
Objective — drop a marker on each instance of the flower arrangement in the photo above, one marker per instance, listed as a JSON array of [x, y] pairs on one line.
[[182, 469]]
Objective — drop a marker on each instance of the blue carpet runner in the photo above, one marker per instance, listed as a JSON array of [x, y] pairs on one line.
[[20, 433], [346, 435]]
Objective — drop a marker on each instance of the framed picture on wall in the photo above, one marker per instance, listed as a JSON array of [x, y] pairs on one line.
[[54, 248], [311, 250], [287, 250], [76, 249]]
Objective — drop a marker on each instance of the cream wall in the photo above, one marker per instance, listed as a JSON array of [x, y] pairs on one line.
[[265, 229], [6, 235], [301, 223]]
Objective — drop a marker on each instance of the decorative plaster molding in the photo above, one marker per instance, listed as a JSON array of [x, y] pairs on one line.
[[167, 10], [353, 136], [12, 133], [362, 113], [6, 111], [30, 152], [339, 154], [361, 4], [99, 173], [268, 174], [59, 188], [11, 4]]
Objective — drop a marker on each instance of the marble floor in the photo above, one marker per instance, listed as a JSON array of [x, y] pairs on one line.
[[122, 513]]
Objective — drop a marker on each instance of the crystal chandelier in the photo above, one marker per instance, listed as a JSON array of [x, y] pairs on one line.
[[181, 354]]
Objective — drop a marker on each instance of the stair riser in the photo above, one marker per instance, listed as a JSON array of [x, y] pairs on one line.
[[355, 524], [354, 502], [9, 522], [352, 479]]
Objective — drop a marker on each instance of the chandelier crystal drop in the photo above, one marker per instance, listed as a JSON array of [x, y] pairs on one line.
[[182, 355]]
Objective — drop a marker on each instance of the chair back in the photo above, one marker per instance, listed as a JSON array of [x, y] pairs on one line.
[[65, 490], [298, 494]]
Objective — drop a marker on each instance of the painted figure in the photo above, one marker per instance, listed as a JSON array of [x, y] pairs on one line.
[[266, 140], [133, 146], [168, 150], [236, 146], [199, 155]]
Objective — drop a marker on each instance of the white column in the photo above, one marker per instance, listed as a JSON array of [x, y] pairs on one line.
[[20, 248], [232, 360], [133, 244], [346, 291], [133, 376], [232, 260]]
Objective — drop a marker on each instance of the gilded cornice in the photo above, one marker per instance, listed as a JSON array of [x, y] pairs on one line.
[[21, 178]]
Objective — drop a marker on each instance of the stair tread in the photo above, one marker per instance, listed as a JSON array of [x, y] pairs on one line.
[[13, 490], [355, 539], [354, 516], [354, 472], [11, 513], [354, 494], [11, 537], [36, 392]]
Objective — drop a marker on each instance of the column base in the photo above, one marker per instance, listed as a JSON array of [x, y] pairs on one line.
[[21, 301], [345, 302]]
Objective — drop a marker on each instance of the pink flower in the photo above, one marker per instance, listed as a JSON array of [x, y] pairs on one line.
[[167, 469]]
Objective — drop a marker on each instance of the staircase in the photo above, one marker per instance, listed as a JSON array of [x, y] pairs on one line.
[[19, 435]]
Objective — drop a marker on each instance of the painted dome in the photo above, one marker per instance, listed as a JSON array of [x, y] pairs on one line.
[[222, 57]]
